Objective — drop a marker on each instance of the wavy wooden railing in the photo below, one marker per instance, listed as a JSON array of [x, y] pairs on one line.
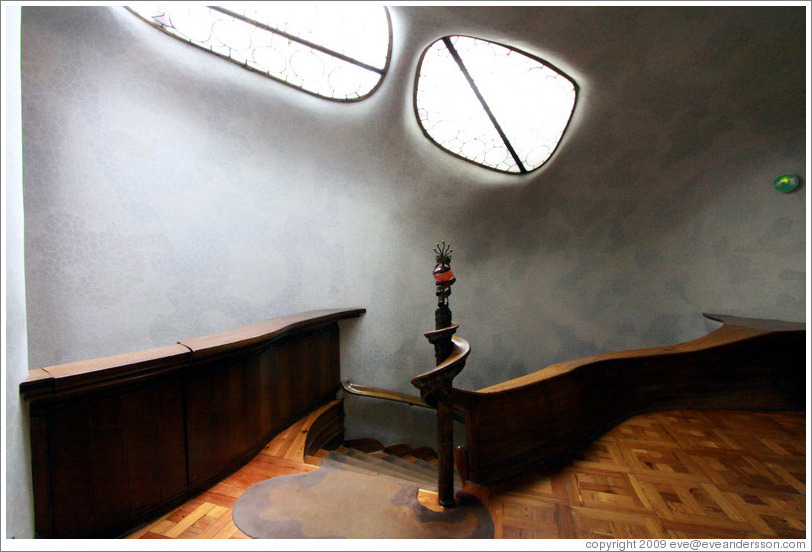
[[546, 416], [117, 441]]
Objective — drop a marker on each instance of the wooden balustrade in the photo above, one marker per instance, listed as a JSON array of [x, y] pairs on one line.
[[117, 441], [548, 415]]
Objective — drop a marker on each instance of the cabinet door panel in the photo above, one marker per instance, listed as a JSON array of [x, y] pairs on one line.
[[72, 477], [114, 455], [156, 457], [207, 422]]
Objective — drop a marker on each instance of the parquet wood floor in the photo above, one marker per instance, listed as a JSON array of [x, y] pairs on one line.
[[675, 474]]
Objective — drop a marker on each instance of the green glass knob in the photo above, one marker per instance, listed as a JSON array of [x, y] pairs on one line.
[[786, 183]]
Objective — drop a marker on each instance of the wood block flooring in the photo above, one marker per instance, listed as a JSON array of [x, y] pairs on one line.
[[674, 474]]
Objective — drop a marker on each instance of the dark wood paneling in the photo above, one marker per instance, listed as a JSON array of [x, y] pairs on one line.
[[110, 486], [266, 386], [140, 432], [154, 442], [114, 455], [282, 375], [118, 439], [169, 405], [41, 473], [72, 473], [207, 421], [222, 415], [301, 363], [266, 389]]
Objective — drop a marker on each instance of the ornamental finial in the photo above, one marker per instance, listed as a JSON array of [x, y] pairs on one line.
[[443, 253], [444, 279]]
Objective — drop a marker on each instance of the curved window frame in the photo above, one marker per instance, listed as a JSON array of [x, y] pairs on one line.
[[522, 170], [382, 72]]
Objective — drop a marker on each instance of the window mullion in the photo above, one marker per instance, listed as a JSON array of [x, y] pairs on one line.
[[299, 40], [461, 65]]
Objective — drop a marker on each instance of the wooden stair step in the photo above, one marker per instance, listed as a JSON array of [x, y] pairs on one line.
[[367, 445], [404, 469], [408, 458], [423, 467], [400, 449], [409, 468], [342, 461], [345, 463], [374, 466], [417, 466], [424, 453], [312, 460]]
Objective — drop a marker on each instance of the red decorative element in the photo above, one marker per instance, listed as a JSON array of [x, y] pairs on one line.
[[443, 274]]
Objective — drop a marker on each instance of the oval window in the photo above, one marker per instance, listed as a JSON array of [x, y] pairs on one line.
[[491, 104], [338, 52]]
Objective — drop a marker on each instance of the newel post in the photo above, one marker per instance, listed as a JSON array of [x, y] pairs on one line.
[[438, 391]]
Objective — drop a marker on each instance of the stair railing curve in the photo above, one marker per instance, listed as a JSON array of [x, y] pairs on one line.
[[436, 389]]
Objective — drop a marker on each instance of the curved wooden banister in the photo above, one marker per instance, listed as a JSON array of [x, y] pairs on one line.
[[719, 337], [550, 414], [449, 368], [378, 393], [264, 333]]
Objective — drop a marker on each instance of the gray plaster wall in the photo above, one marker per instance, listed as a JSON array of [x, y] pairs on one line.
[[170, 194], [18, 520]]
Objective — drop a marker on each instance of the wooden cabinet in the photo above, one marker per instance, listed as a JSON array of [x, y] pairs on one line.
[[112, 455], [116, 441]]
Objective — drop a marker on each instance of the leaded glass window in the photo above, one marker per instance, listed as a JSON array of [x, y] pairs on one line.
[[339, 51], [492, 105]]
